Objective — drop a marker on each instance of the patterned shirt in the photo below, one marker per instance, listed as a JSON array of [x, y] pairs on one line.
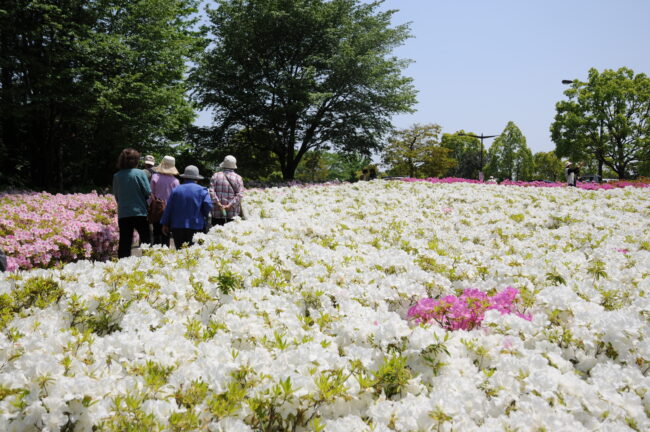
[[223, 193]]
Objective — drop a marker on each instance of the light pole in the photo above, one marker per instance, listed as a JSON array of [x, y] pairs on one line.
[[481, 137]]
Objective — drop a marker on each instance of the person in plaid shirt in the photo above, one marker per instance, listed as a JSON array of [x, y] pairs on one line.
[[226, 191]]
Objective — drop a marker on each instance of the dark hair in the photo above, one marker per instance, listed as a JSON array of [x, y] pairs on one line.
[[129, 158]]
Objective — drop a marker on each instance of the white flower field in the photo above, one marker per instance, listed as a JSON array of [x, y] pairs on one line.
[[296, 318]]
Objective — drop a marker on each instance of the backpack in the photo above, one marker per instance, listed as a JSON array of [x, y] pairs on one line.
[[155, 210]]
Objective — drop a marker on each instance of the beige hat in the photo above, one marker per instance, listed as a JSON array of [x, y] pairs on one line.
[[149, 160], [568, 164], [229, 162], [167, 166]]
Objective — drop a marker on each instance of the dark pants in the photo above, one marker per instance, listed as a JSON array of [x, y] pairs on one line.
[[220, 221], [127, 225], [183, 235], [158, 237]]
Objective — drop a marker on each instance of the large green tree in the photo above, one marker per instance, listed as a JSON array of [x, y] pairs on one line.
[[509, 157], [606, 118], [303, 75], [547, 167], [416, 152], [466, 151], [82, 79]]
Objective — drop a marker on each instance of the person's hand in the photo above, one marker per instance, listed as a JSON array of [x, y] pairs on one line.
[[165, 230]]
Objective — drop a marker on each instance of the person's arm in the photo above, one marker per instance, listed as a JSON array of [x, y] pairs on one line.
[[213, 191], [206, 205], [165, 220], [238, 188], [144, 184], [116, 189]]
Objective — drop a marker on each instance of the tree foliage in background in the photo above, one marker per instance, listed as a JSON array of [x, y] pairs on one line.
[[416, 152], [81, 80], [323, 166], [548, 167], [303, 75], [466, 151], [509, 157], [606, 118]]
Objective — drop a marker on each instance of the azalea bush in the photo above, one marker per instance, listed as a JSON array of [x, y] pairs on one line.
[[465, 312], [43, 230], [297, 318]]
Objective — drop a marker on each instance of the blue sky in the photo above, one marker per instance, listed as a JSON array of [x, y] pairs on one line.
[[479, 64]]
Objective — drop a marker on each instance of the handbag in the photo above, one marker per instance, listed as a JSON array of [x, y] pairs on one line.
[[155, 210], [242, 213]]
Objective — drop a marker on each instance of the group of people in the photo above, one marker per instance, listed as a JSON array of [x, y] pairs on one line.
[[189, 207]]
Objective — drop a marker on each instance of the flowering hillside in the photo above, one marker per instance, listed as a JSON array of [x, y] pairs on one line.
[[298, 318], [43, 230]]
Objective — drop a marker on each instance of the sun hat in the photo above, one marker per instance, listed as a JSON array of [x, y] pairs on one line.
[[568, 163], [167, 166], [149, 160], [192, 173], [229, 162]]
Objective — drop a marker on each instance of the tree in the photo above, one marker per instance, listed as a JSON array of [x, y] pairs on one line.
[[466, 151], [606, 118], [509, 157], [82, 80], [547, 167], [303, 75], [416, 152]]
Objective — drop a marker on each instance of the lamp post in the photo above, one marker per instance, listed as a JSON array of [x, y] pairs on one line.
[[481, 137]]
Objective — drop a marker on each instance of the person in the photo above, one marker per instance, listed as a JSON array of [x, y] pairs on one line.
[[3, 261], [131, 190], [187, 209], [163, 183], [149, 162], [226, 191], [572, 172]]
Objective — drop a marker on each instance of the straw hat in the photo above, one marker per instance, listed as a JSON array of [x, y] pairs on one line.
[[229, 162], [167, 166], [149, 160], [192, 173]]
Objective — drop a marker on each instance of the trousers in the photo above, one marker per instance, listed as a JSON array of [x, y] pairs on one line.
[[126, 226]]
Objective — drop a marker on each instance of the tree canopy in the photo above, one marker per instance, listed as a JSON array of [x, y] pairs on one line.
[[416, 152], [606, 118], [81, 80], [547, 167], [509, 158], [303, 75], [466, 151]]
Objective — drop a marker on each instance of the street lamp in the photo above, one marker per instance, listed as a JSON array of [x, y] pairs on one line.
[[481, 137]]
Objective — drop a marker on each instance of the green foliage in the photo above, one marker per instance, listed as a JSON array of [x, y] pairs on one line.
[[548, 167], [34, 292], [392, 376], [82, 80], [606, 119], [466, 151], [509, 158], [416, 152], [128, 416], [321, 72]]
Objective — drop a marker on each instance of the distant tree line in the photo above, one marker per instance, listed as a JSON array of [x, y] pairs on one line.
[[300, 89]]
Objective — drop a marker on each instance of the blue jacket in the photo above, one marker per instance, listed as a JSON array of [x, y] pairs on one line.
[[131, 189], [188, 207]]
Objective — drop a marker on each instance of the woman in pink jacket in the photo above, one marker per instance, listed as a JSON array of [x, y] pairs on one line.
[[163, 183]]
